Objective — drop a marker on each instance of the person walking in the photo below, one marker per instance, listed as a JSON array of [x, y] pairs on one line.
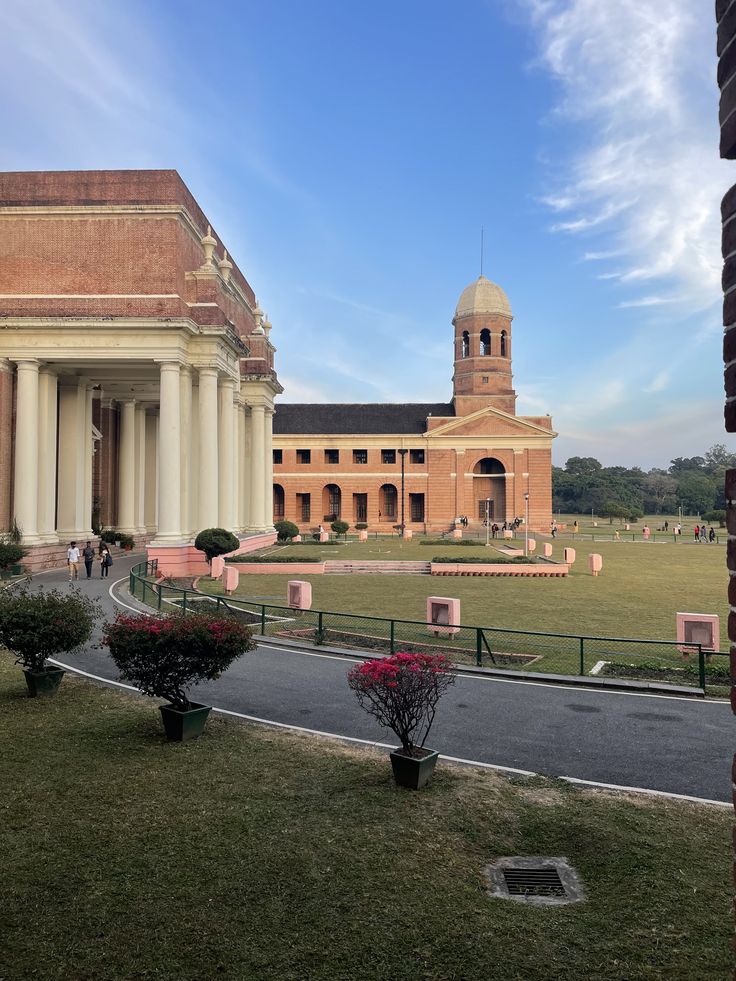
[[88, 554], [105, 561], [712, 534], [703, 533], [72, 560], [554, 529], [697, 533]]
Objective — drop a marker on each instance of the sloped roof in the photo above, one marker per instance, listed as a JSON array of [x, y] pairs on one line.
[[346, 419]]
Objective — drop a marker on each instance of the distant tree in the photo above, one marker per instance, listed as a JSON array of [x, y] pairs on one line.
[[684, 464], [583, 466], [659, 486], [697, 492], [717, 458], [614, 509]]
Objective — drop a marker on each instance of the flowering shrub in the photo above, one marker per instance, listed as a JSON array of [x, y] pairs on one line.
[[165, 656], [34, 626], [401, 692]]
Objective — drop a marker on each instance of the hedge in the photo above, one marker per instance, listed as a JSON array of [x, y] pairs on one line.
[[285, 559], [482, 560]]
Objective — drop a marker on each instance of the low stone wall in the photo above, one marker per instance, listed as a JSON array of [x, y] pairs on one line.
[[186, 560], [279, 568], [502, 569]]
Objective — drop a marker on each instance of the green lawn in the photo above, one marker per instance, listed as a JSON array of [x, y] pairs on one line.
[[258, 854]]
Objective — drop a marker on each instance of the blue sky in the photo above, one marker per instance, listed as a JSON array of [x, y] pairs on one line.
[[348, 154]]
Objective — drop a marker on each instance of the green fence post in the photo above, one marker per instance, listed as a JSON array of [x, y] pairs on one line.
[[582, 655], [184, 604], [701, 666], [131, 584], [263, 620], [217, 606], [479, 647], [160, 590], [320, 629], [392, 635]]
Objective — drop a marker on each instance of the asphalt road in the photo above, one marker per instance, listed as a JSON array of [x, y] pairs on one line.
[[677, 745]]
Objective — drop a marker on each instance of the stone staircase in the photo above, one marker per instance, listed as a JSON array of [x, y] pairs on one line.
[[377, 568]]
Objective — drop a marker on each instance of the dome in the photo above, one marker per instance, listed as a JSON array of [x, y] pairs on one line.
[[483, 296]]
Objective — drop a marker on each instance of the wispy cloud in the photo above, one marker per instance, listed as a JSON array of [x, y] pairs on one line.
[[645, 178]]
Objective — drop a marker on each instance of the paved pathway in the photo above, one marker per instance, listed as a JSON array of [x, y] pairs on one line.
[[681, 746]]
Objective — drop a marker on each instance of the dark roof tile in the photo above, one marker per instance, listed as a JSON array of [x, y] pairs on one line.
[[340, 420]]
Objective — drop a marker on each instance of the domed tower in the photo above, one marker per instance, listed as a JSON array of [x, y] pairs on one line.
[[482, 375]]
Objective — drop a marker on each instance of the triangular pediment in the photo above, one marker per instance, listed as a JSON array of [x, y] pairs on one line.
[[490, 422]]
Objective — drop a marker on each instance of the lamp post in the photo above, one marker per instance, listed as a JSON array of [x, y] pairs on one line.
[[526, 524], [402, 454], [488, 519]]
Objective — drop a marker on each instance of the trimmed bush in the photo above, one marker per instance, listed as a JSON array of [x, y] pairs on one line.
[[35, 626], [340, 527], [285, 530], [165, 656], [718, 515], [361, 525], [216, 541]]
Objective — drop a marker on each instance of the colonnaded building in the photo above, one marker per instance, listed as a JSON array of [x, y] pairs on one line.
[[423, 465], [136, 372]]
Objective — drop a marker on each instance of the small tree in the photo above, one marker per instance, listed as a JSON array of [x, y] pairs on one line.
[[35, 626], [216, 541], [164, 657], [10, 554], [285, 530], [340, 527], [401, 692], [614, 509], [718, 515]]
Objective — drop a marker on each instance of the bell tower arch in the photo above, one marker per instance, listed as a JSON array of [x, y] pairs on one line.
[[482, 375]]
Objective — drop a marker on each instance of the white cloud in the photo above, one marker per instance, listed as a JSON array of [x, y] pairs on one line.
[[646, 180]]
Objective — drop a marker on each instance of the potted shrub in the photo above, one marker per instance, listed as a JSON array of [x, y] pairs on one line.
[[10, 557], [165, 656], [285, 530], [401, 692], [35, 626], [216, 541]]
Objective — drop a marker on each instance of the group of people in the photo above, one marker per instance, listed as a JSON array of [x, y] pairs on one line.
[[87, 554], [703, 534], [506, 526]]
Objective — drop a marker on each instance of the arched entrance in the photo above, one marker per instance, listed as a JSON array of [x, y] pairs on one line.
[[387, 502], [489, 490], [331, 502], [278, 502]]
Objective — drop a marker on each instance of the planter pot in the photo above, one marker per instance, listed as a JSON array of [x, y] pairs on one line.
[[117, 543], [181, 725], [413, 771], [43, 682]]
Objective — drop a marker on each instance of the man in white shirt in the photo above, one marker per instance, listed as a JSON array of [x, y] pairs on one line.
[[72, 558]]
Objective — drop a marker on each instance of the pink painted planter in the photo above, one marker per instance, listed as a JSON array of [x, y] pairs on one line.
[[296, 538], [457, 533], [363, 535], [547, 550], [299, 594], [443, 615], [531, 544], [698, 628], [508, 534], [595, 563], [646, 532], [570, 555], [324, 537], [217, 567], [408, 534], [230, 579]]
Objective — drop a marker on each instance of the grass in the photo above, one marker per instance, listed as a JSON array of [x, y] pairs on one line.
[[258, 854]]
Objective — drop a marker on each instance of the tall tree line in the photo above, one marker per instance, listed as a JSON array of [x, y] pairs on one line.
[[693, 483]]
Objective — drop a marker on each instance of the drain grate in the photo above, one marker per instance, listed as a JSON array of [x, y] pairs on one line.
[[534, 879], [533, 882]]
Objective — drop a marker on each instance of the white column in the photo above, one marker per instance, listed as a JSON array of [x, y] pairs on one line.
[[47, 427], [25, 485], [246, 492], [226, 489], [88, 454], [208, 455], [194, 466], [71, 464], [240, 459], [126, 469], [185, 402], [151, 473], [169, 456], [258, 479], [140, 469], [268, 467]]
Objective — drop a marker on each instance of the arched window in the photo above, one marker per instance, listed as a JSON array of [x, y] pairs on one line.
[[278, 502], [485, 341], [489, 465], [387, 501], [466, 344], [331, 502], [503, 344]]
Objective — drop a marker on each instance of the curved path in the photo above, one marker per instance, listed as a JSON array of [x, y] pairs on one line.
[[661, 743]]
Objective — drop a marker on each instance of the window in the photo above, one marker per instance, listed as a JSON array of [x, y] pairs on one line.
[[278, 456], [485, 341], [332, 502], [503, 344], [388, 456], [416, 506], [484, 379], [416, 456], [278, 502], [303, 456], [387, 500], [360, 456], [304, 506], [332, 456], [465, 345], [360, 507]]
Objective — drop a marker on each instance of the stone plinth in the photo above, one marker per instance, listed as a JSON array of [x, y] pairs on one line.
[[443, 615], [595, 563], [299, 594]]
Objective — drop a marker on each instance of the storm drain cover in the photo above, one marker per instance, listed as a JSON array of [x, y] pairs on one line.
[[534, 879]]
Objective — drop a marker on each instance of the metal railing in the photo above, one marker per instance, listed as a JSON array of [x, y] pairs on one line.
[[582, 655]]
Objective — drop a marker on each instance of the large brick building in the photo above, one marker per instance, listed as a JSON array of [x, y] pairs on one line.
[[136, 371], [423, 465]]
